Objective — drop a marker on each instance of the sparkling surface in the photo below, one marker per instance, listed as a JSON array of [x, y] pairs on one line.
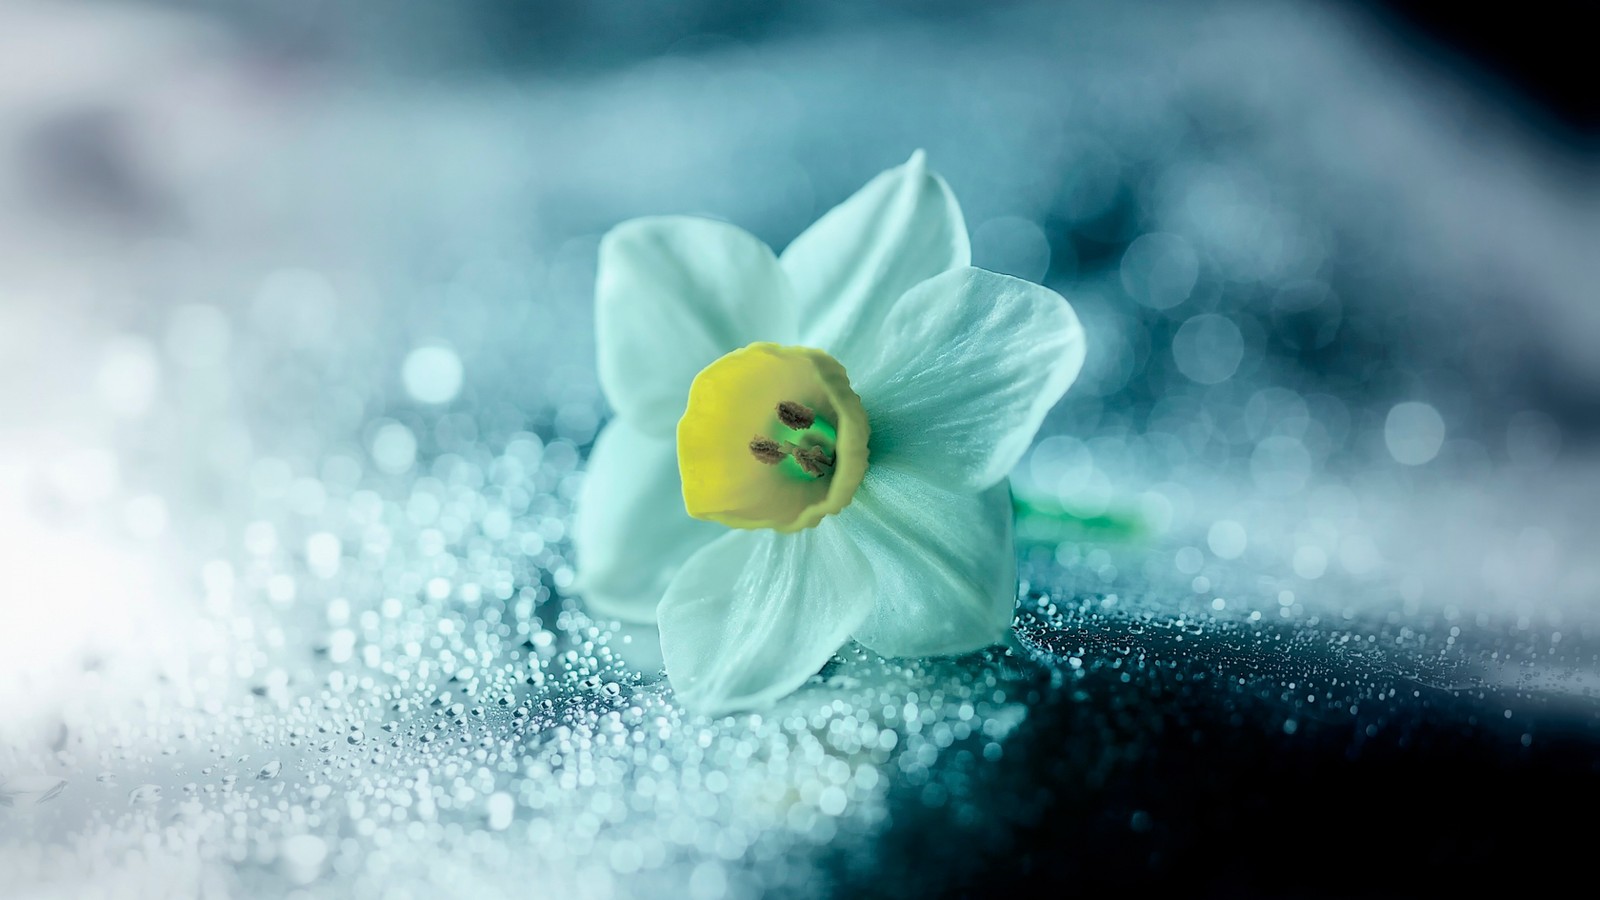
[[287, 464]]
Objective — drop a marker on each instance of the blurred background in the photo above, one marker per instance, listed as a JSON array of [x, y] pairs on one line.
[[297, 380]]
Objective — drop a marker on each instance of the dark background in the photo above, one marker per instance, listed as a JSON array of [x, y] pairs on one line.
[[1532, 59], [1535, 59]]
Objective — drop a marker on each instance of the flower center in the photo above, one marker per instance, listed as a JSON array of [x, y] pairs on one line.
[[773, 437]]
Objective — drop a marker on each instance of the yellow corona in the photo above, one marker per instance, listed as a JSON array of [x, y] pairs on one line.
[[773, 437]]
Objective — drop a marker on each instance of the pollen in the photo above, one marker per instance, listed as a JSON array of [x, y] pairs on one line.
[[815, 461], [796, 415], [766, 450]]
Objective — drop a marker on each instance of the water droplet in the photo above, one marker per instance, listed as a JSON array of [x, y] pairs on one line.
[[52, 793]]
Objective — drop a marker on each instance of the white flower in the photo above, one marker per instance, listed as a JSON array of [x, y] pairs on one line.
[[873, 504]]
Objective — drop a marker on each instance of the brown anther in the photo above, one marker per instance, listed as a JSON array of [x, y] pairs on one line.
[[796, 415], [766, 450], [814, 460]]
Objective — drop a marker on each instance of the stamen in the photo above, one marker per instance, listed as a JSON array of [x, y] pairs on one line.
[[766, 450], [796, 415], [814, 460]]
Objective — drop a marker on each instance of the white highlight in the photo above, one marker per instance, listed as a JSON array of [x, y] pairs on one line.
[[432, 374], [1414, 432]]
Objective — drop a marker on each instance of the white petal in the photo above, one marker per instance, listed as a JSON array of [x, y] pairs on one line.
[[632, 532], [850, 266], [944, 560], [967, 367], [672, 294], [752, 616]]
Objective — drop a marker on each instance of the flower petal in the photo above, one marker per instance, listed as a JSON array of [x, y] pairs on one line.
[[850, 266], [753, 615], [632, 532], [944, 560], [672, 294], [967, 365]]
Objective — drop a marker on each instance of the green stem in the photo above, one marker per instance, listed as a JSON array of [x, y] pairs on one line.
[[1049, 521]]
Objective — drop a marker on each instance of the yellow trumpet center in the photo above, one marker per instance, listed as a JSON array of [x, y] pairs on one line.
[[773, 437]]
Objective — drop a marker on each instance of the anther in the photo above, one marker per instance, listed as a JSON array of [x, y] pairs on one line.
[[796, 415], [766, 450], [814, 460]]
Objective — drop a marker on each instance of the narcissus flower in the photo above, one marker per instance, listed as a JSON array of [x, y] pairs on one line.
[[812, 447]]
